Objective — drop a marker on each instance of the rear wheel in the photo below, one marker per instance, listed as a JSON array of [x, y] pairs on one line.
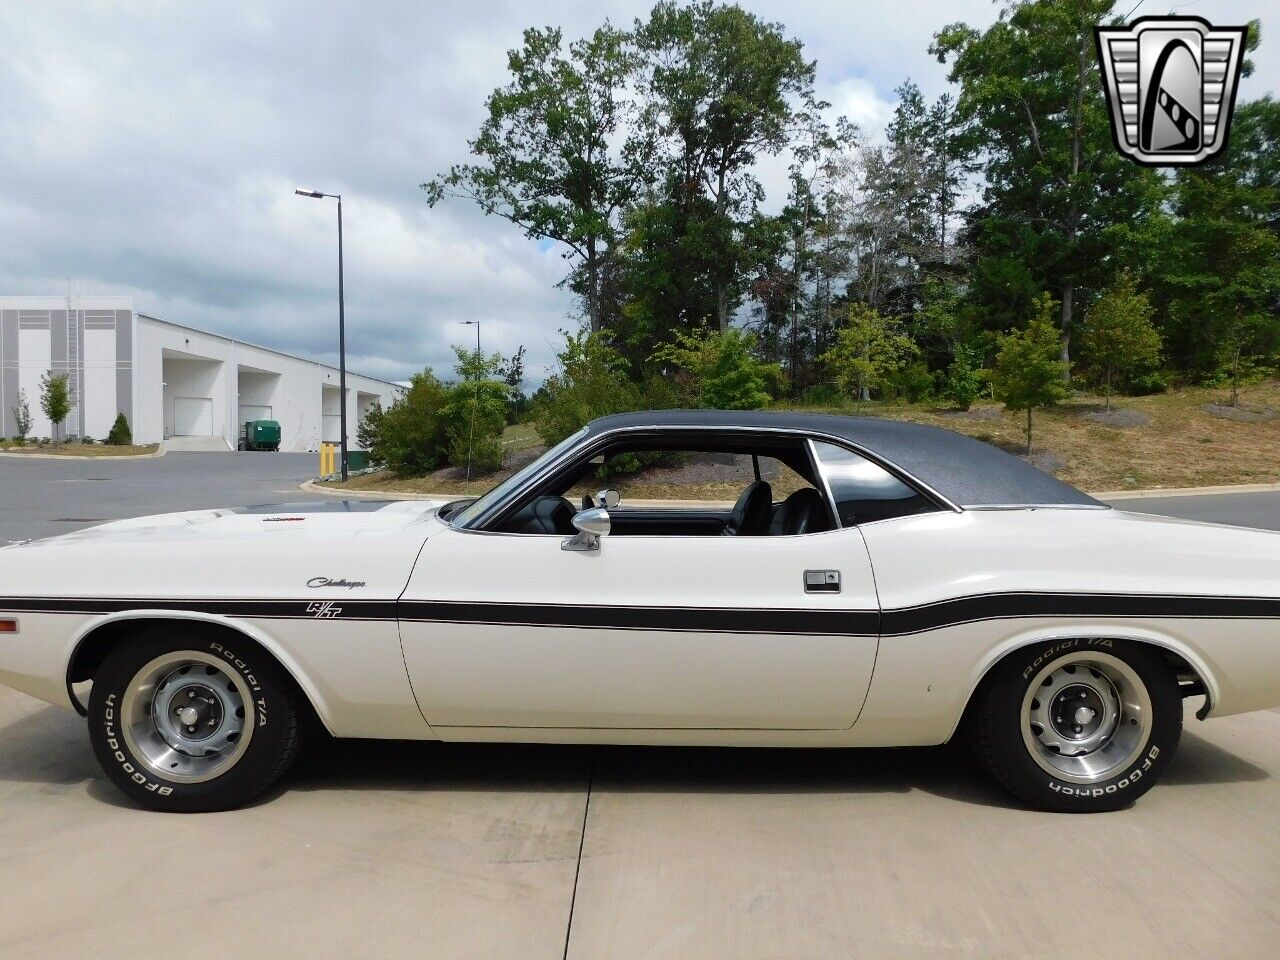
[[1078, 725], [191, 719]]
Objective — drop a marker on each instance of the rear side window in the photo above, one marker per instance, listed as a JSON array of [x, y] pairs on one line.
[[865, 491]]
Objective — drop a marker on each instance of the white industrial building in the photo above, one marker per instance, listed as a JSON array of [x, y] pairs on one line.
[[188, 387]]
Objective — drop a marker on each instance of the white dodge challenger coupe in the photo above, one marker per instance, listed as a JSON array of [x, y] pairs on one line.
[[876, 584]]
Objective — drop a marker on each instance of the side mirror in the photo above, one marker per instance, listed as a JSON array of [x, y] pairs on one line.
[[608, 499], [592, 525]]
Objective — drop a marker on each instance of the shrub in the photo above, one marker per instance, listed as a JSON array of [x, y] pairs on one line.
[[721, 369], [1148, 382], [592, 382], [822, 395], [473, 419], [408, 437], [965, 379], [913, 383], [120, 435]]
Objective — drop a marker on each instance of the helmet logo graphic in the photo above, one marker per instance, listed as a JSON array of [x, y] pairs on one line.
[[1171, 86]]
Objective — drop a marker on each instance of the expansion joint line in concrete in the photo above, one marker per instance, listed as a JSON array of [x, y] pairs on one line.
[[582, 840]]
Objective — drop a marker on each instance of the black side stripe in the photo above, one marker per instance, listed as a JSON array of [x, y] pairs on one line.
[[901, 621], [857, 623]]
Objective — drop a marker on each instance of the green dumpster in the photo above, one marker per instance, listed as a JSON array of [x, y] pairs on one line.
[[260, 435], [357, 460]]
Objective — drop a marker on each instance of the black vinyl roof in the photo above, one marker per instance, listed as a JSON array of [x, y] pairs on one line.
[[965, 471]]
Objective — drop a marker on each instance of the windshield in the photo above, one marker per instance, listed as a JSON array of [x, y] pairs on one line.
[[468, 515]]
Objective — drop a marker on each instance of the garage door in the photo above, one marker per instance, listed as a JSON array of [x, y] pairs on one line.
[[250, 411], [192, 416]]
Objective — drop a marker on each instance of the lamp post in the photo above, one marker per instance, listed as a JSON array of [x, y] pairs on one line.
[[475, 395], [342, 329]]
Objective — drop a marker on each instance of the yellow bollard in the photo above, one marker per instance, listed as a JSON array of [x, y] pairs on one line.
[[328, 459]]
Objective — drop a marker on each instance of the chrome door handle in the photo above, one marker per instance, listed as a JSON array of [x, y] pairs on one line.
[[822, 581]]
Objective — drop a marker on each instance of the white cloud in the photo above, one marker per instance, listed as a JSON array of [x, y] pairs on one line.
[[152, 149]]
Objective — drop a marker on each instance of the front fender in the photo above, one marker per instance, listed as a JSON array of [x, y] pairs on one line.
[[93, 626]]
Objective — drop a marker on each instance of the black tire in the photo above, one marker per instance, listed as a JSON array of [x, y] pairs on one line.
[[998, 716], [269, 719]]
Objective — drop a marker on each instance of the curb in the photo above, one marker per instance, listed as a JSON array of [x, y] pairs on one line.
[[310, 486], [73, 456], [1187, 491]]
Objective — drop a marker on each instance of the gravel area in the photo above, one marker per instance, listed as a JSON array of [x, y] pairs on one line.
[[1244, 413], [1119, 418]]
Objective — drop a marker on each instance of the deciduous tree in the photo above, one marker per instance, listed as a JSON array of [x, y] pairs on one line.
[[561, 153], [1118, 336], [55, 400], [1028, 371], [868, 350], [1057, 195]]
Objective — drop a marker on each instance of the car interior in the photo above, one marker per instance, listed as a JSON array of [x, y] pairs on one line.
[[791, 505]]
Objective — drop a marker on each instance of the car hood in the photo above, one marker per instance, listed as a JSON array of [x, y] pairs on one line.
[[273, 523]]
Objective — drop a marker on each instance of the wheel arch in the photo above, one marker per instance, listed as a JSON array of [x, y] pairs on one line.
[[100, 637], [1186, 663]]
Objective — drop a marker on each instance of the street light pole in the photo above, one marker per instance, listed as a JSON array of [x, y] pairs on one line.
[[475, 394], [342, 330]]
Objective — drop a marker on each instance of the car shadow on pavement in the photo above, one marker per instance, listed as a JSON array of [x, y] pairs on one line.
[[49, 746]]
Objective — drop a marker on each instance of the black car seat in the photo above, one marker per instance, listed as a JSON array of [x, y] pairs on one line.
[[802, 512], [753, 510]]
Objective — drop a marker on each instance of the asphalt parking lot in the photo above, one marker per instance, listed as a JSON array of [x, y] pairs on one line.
[[426, 850]]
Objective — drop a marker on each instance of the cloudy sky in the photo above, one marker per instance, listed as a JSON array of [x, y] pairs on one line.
[[152, 149]]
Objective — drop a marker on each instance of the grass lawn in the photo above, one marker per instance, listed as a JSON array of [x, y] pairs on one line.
[[84, 450], [1175, 441]]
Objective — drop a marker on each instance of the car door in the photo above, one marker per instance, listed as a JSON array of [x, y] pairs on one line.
[[647, 632]]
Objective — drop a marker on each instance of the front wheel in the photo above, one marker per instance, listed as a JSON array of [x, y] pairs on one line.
[[188, 718], [1082, 725]]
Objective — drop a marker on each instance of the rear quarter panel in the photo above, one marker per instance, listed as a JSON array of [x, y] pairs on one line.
[[924, 677]]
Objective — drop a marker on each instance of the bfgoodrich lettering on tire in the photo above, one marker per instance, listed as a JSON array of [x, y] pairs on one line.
[[1078, 725], [190, 718]]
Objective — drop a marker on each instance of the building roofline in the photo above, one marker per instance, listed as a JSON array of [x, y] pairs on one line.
[[258, 346]]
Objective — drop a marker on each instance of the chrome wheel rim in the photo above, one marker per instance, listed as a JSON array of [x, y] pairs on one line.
[[1085, 717], [185, 717]]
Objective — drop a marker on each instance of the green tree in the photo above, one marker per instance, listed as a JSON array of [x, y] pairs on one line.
[[512, 374], [965, 378], [22, 416], [475, 412], [721, 368], [55, 400], [1216, 265], [561, 153], [120, 434], [408, 438], [592, 381], [1028, 371], [1057, 195], [868, 351], [1118, 337], [722, 87]]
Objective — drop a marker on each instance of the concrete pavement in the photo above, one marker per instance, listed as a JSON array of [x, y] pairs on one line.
[[426, 850], [49, 496], [431, 851]]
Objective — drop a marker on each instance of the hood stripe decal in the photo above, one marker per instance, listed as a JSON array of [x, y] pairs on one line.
[[901, 621]]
